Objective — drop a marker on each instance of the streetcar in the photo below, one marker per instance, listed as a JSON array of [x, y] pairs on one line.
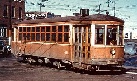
[[89, 42]]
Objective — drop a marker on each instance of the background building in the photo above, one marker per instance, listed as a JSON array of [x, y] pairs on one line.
[[39, 15], [130, 35], [10, 12]]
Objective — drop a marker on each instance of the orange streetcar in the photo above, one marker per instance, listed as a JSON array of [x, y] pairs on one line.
[[91, 42]]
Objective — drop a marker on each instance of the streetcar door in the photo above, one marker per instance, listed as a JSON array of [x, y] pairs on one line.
[[82, 37]]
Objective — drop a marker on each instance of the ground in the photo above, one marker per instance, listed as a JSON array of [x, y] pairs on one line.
[[11, 70]]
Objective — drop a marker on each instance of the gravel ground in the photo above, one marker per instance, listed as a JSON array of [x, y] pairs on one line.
[[11, 70]]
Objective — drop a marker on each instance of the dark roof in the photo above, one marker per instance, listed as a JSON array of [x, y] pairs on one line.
[[102, 17], [94, 17]]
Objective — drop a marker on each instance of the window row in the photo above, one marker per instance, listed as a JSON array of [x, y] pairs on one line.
[[60, 28], [47, 34], [47, 37]]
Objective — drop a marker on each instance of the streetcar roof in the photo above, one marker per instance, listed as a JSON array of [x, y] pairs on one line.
[[94, 17]]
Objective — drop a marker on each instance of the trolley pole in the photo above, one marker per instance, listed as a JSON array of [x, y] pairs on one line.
[[99, 9], [10, 22]]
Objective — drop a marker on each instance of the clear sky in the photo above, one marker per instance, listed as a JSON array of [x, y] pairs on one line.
[[124, 9]]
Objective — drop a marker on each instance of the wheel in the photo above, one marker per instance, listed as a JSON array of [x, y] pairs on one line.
[[57, 65], [20, 59]]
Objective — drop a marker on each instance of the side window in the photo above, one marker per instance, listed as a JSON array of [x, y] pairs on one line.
[[66, 33], [20, 33], [53, 34], [60, 33], [60, 30], [48, 28], [99, 34]]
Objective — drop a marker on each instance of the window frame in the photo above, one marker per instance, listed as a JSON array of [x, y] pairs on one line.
[[20, 12], [13, 12], [99, 34], [111, 37], [5, 10]]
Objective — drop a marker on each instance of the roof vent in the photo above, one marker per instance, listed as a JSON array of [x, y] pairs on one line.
[[76, 14], [84, 12]]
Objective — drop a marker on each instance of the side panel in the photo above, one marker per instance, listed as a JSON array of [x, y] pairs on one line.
[[57, 51], [105, 52], [107, 56]]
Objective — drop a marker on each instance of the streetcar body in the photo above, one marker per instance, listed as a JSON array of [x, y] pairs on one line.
[[84, 42]]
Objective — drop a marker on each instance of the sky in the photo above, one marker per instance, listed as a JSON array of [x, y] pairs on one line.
[[124, 9]]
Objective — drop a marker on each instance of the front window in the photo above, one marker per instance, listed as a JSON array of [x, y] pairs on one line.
[[111, 35], [99, 34]]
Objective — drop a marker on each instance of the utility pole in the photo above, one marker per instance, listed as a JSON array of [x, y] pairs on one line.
[[41, 5], [114, 8], [99, 8]]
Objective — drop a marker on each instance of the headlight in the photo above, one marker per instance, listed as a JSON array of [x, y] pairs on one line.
[[8, 46], [112, 51]]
